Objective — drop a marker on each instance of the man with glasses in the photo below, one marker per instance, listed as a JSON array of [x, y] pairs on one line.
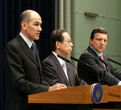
[[55, 70]]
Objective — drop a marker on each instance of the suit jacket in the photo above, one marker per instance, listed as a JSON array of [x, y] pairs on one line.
[[53, 72], [110, 77], [23, 74]]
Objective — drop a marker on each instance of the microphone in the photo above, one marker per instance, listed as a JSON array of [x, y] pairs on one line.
[[64, 58], [83, 62], [103, 61], [89, 67], [114, 61], [80, 61]]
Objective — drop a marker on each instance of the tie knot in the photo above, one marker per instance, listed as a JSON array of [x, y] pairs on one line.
[[33, 46], [63, 64], [102, 57]]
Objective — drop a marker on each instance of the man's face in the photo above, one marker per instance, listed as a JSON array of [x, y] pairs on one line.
[[33, 28], [99, 42], [65, 47]]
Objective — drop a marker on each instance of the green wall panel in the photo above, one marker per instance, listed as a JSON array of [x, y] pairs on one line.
[[109, 17]]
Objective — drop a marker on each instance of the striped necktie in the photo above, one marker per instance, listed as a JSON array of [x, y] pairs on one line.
[[65, 70], [103, 63], [33, 49]]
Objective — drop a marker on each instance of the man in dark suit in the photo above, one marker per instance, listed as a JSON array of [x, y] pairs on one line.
[[22, 67], [54, 69], [108, 75]]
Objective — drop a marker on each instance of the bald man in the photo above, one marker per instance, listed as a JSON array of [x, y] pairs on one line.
[[22, 65]]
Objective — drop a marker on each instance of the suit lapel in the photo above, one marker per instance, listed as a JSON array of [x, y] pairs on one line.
[[95, 55], [60, 69], [92, 52], [29, 54], [26, 49]]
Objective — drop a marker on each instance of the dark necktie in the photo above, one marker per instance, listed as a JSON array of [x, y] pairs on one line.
[[33, 49], [103, 63]]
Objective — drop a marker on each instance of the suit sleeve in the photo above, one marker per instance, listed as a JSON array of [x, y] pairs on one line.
[[116, 72], [16, 75]]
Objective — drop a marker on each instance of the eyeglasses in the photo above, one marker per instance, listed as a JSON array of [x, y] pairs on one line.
[[69, 41]]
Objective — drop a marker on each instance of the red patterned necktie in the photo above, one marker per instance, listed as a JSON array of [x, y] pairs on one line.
[[103, 63]]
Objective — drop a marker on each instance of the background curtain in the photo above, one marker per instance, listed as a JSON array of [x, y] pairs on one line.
[[10, 11]]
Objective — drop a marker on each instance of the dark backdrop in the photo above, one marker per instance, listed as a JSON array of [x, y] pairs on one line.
[[10, 11]]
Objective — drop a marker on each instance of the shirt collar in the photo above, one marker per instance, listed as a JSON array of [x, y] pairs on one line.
[[29, 43], [59, 59], [99, 54]]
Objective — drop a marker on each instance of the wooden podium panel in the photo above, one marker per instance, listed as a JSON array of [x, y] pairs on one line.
[[73, 95], [114, 93]]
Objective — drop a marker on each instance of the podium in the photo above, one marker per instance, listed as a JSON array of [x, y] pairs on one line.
[[79, 97]]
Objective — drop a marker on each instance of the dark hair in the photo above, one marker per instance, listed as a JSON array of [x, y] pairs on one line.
[[56, 35], [98, 30]]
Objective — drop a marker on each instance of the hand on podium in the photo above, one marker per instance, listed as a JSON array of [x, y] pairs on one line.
[[57, 86]]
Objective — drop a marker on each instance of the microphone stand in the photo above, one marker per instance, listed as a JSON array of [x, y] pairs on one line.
[[89, 66], [114, 61], [67, 61]]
